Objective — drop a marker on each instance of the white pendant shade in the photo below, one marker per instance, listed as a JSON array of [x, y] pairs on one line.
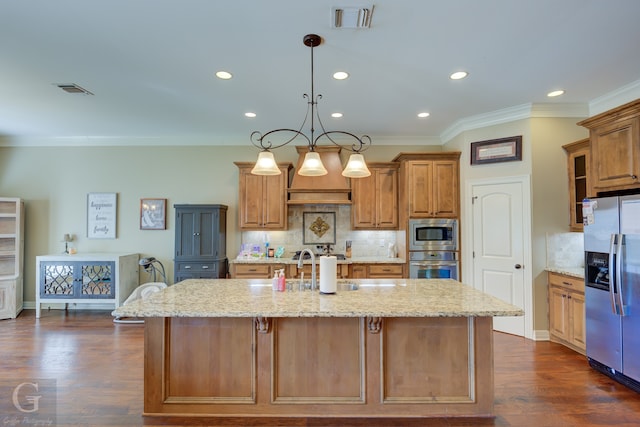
[[312, 165], [266, 165], [356, 167]]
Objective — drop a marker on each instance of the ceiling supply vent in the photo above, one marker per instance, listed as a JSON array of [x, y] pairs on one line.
[[73, 88], [351, 17]]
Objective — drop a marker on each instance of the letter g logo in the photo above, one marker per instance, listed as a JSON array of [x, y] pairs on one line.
[[33, 400]]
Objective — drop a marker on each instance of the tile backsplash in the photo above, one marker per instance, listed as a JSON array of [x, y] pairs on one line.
[[565, 250], [365, 243]]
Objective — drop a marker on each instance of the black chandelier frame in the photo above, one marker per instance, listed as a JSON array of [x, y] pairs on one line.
[[262, 141]]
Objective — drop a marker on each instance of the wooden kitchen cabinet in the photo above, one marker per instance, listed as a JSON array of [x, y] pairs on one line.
[[615, 148], [262, 199], [432, 184], [567, 311], [376, 271], [375, 198], [260, 270], [578, 171]]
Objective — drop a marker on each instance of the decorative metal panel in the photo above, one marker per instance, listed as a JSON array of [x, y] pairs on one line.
[[58, 280]]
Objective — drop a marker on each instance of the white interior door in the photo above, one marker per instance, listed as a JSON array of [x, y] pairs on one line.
[[498, 247]]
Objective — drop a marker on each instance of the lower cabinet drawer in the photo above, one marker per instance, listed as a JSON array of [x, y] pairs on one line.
[[251, 270], [186, 267], [385, 270]]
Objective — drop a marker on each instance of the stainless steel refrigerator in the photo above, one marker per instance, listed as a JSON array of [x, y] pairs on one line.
[[612, 286]]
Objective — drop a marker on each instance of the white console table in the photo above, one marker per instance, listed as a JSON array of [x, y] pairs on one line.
[[92, 278]]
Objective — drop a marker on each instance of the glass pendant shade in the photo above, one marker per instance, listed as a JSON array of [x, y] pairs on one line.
[[356, 167], [266, 164], [312, 165]]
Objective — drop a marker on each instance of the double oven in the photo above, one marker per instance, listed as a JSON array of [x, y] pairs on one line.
[[433, 249]]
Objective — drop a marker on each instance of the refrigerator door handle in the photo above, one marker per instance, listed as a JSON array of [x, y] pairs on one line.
[[619, 259], [612, 273]]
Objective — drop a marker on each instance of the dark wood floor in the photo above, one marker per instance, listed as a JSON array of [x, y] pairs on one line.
[[97, 367]]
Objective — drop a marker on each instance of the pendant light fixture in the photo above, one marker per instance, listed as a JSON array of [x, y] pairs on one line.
[[312, 165]]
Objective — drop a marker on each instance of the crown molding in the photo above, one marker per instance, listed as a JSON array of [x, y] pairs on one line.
[[511, 114], [615, 98]]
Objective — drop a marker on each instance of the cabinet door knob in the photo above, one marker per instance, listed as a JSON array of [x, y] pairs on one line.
[[518, 266], [634, 177]]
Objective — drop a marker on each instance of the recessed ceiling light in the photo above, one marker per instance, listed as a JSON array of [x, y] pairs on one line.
[[340, 75], [423, 115], [458, 75], [336, 115], [555, 93], [224, 75], [250, 114]]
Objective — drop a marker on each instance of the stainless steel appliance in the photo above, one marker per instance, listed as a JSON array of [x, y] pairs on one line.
[[433, 234], [612, 287], [433, 265]]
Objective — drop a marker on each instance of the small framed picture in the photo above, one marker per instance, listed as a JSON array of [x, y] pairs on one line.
[[153, 214], [319, 228], [101, 215], [496, 150]]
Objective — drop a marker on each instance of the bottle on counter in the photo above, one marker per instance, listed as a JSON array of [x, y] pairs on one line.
[[282, 282], [275, 282]]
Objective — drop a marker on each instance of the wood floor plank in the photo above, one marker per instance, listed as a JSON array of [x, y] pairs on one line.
[[98, 369]]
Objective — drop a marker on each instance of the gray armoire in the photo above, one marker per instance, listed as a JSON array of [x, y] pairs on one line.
[[201, 242]]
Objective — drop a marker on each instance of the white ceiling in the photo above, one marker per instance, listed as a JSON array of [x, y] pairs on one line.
[[150, 64]]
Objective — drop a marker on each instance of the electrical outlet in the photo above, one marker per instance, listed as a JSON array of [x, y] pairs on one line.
[[381, 243]]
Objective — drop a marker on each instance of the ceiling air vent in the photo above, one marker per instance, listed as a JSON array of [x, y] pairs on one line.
[[72, 88], [351, 17]]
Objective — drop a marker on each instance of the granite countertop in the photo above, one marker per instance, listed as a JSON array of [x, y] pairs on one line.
[[375, 297], [289, 260], [577, 272]]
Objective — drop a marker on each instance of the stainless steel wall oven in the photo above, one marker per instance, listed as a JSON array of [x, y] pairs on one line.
[[433, 248], [433, 234], [433, 265]]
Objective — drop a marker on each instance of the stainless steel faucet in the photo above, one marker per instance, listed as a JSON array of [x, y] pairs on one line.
[[313, 266]]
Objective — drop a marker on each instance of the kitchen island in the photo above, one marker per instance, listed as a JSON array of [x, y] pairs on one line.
[[391, 348]]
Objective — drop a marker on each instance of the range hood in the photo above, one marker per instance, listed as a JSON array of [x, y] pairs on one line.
[[332, 188]]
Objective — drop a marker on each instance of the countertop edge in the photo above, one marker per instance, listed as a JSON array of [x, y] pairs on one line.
[[577, 272]]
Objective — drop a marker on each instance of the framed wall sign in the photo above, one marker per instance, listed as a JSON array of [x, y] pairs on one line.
[[153, 214], [496, 150], [101, 215], [319, 228]]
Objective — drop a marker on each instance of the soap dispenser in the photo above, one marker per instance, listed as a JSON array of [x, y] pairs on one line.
[[282, 281], [275, 282]]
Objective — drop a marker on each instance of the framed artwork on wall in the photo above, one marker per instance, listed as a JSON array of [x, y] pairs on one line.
[[319, 228], [101, 215], [496, 150], [153, 214]]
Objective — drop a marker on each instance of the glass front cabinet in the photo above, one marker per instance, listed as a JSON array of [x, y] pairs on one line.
[[86, 279]]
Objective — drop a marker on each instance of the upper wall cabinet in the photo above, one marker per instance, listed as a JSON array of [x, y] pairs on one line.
[[578, 170], [432, 184], [375, 198], [262, 199], [615, 148]]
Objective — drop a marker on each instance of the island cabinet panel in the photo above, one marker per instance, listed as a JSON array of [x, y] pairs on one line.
[[443, 372], [222, 360], [306, 367], [318, 360]]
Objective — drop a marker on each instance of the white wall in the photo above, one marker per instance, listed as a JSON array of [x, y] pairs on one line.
[[54, 183], [544, 160]]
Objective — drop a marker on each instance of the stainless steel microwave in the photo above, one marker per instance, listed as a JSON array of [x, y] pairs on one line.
[[429, 234]]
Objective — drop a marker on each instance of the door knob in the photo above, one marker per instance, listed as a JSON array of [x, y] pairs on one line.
[[518, 266]]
